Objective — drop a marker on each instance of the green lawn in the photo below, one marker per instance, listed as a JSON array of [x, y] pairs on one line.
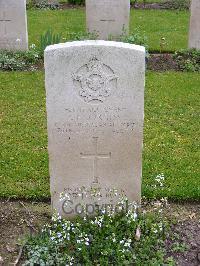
[[154, 24], [170, 145]]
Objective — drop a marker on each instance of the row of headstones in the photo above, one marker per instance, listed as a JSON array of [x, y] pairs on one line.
[[106, 18]]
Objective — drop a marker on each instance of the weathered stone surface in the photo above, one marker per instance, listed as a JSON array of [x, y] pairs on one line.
[[95, 110], [13, 25], [194, 35], [108, 17]]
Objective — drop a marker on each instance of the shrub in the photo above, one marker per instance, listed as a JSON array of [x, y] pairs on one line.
[[188, 60], [177, 4], [19, 60], [76, 2], [42, 5]]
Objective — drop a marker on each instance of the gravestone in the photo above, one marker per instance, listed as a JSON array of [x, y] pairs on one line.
[[13, 25], [95, 110], [194, 35], [108, 18]]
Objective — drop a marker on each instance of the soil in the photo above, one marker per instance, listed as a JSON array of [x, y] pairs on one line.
[[18, 219], [69, 6], [162, 62]]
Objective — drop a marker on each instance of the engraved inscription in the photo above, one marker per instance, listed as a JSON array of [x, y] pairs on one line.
[[94, 81], [95, 156], [95, 119]]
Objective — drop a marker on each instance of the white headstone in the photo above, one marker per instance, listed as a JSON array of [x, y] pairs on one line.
[[95, 111], [194, 35], [13, 25], [108, 18]]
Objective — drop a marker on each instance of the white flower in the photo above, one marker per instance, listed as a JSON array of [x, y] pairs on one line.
[[59, 235], [32, 46], [103, 211]]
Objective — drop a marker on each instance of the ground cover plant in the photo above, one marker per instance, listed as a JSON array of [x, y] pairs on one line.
[[69, 21], [171, 136], [28, 60], [125, 237], [188, 60]]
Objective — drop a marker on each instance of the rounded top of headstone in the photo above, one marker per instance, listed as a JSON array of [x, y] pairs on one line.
[[95, 43]]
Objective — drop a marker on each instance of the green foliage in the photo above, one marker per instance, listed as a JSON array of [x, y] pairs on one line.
[[19, 60], [49, 38], [188, 60], [166, 4], [135, 37], [179, 247], [177, 4], [80, 36], [42, 5], [76, 2], [107, 239]]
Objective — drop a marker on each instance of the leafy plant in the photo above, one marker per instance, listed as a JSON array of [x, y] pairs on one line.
[[188, 60], [135, 38], [123, 238], [49, 38], [76, 2], [80, 36], [177, 4], [19, 60], [42, 5]]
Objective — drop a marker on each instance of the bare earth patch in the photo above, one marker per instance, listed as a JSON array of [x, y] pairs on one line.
[[18, 219], [162, 62]]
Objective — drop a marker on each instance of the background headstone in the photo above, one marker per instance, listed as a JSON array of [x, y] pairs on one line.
[[13, 25], [95, 110], [108, 17], [194, 35]]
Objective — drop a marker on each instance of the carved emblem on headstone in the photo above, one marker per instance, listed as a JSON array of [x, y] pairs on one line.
[[94, 81]]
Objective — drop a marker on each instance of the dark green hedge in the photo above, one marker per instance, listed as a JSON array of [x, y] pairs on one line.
[[76, 2]]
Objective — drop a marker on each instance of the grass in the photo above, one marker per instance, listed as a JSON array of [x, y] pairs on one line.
[[170, 144], [155, 24]]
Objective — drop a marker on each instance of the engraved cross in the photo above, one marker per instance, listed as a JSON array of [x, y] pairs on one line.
[[95, 156], [4, 20]]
